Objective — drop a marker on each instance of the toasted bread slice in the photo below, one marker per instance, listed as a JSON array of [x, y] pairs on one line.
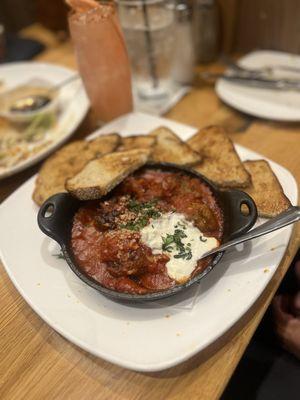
[[101, 175], [61, 165], [265, 189], [221, 163], [104, 144], [136, 142], [169, 148], [67, 162]]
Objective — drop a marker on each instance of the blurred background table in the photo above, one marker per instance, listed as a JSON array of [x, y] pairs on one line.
[[37, 363]]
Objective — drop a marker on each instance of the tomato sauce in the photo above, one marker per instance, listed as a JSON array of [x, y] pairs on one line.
[[106, 239]]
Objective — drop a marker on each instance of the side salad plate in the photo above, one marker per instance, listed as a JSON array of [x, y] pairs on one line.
[[24, 144]]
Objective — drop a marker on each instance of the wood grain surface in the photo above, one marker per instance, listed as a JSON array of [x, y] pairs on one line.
[[260, 24], [37, 363], [275, 22]]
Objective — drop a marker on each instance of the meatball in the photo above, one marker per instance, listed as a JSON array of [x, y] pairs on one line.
[[123, 253]]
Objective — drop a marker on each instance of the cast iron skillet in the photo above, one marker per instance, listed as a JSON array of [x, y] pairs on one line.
[[56, 215]]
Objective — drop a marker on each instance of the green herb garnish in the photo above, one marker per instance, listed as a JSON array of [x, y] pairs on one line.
[[38, 126], [167, 241], [203, 239], [175, 240], [136, 225], [143, 211], [182, 225], [134, 205], [186, 254]]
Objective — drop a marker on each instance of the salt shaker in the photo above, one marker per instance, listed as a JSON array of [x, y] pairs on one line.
[[184, 57], [206, 28]]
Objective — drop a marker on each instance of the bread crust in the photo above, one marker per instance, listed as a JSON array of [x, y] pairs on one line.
[[221, 163], [136, 142], [68, 161], [101, 175], [169, 148], [265, 189]]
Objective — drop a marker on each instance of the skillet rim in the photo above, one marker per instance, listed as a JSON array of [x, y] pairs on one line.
[[220, 196]]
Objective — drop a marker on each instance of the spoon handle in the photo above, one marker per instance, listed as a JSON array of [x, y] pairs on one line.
[[286, 218]]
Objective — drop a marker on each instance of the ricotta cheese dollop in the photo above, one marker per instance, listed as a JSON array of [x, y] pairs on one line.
[[180, 239]]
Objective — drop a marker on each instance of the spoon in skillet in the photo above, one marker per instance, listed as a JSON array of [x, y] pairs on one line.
[[288, 217]]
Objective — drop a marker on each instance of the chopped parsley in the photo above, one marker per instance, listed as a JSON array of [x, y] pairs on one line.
[[144, 211], [167, 243], [175, 240], [136, 225], [134, 205], [181, 225]]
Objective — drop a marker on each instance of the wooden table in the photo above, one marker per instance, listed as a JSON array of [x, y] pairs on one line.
[[37, 363]]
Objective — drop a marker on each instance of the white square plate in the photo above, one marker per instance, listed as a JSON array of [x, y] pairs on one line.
[[282, 105], [146, 337]]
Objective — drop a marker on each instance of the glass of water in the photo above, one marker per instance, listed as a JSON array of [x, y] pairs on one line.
[[148, 27]]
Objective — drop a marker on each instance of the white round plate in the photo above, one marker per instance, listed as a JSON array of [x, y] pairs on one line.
[[73, 103], [148, 337], [264, 103]]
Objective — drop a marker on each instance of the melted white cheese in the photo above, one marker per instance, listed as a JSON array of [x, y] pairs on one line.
[[179, 269]]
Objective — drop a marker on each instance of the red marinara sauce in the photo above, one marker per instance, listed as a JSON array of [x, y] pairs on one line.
[[106, 239]]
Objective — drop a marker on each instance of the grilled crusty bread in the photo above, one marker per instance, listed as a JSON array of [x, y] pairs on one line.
[[169, 148], [265, 189], [101, 175], [67, 162], [221, 163], [104, 144], [136, 142]]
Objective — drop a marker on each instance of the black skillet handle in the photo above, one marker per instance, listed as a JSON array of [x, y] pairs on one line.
[[55, 217], [238, 222]]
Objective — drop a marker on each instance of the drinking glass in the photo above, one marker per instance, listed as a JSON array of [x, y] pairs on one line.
[[102, 60], [148, 27]]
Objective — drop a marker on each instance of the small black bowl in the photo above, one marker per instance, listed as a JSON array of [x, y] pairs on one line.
[[55, 219]]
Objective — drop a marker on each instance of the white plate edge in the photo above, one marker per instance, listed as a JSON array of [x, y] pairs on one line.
[[128, 364], [254, 113], [48, 150]]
